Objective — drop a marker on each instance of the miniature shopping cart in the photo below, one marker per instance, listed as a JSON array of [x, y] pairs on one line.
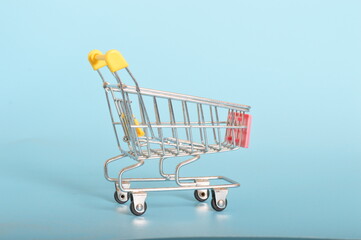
[[170, 125]]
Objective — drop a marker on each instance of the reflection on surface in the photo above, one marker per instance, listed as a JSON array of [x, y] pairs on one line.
[[222, 216], [202, 208], [122, 209], [136, 221], [139, 221]]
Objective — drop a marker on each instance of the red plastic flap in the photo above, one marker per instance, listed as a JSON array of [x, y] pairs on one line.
[[239, 137]]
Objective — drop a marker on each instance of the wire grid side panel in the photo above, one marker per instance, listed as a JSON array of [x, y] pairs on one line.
[[177, 127]]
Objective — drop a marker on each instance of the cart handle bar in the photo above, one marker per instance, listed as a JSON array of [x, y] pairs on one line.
[[113, 59]]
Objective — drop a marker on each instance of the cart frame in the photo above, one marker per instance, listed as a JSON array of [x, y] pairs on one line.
[[141, 140]]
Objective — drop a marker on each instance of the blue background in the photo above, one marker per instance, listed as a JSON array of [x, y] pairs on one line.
[[297, 63]]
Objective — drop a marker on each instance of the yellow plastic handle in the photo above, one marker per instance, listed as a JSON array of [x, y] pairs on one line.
[[95, 61], [113, 58]]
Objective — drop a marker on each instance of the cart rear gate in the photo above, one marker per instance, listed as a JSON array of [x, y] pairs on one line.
[[153, 124]]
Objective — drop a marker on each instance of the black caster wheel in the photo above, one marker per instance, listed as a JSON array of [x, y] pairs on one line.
[[215, 207], [123, 198], [201, 195], [138, 210]]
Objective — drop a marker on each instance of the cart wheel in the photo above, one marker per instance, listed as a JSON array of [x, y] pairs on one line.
[[215, 207], [123, 196], [201, 195], [136, 212]]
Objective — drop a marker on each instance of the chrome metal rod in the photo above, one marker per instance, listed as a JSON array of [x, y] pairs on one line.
[[230, 184], [106, 175], [182, 97], [179, 166], [120, 175]]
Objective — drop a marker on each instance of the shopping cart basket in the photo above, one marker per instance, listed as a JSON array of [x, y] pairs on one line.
[[171, 125]]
